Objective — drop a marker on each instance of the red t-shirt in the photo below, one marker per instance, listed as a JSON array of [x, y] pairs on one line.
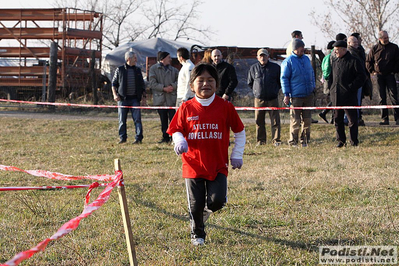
[[207, 131]]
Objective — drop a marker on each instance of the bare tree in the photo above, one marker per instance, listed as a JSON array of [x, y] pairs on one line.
[[130, 20], [367, 17], [186, 27], [168, 20], [117, 28]]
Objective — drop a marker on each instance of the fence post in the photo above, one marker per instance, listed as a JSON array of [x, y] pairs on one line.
[[126, 219], [52, 80]]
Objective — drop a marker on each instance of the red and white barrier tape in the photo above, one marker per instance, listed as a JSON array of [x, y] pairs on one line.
[[71, 224], [46, 187], [58, 176], [237, 108]]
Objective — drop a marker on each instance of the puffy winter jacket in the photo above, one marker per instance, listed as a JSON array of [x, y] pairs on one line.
[[297, 76]]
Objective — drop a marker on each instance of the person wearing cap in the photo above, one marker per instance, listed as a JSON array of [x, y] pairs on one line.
[[298, 83], [383, 62], [128, 89], [163, 83], [227, 75], [264, 80], [347, 76]]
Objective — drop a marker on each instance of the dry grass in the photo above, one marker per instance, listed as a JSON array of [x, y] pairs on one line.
[[283, 204]]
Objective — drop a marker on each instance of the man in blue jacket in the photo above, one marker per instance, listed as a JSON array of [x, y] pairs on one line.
[[264, 80], [298, 84]]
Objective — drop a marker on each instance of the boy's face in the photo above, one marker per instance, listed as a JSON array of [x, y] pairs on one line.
[[204, 86]]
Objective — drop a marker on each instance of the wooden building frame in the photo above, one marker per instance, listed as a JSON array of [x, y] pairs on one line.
[[78, 34]]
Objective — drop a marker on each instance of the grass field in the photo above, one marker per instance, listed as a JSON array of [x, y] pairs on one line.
[[283, 204]]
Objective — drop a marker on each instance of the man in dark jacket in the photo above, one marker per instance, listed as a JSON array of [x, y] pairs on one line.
[[227, 75], [264, 79], [383, 61], [128, 88], [347, 76]]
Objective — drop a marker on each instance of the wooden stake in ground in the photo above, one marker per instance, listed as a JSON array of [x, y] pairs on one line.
[[126, 219]]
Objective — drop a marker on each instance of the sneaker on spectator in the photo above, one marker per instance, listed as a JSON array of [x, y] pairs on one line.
[[198, 241], [361, 123]]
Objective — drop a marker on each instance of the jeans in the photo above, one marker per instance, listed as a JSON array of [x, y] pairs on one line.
[[136, 115]]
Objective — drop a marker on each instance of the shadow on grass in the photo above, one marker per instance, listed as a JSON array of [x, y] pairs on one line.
[[314, 247]]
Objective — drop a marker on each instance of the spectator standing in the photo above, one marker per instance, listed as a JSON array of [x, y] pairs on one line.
[[353, 48], [128, 88], [347, 76], [383, 62], [163, 83], [367, 89], [200, 131], [227, 75], [298, 84], [326, 69], [264, 80], [184, 92]]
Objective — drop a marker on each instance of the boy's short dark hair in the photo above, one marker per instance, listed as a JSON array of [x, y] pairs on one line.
[[183, 52], [296, 33], [201, 68]]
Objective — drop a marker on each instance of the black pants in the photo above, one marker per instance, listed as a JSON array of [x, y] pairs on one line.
[[388, 83], [166, 116], [201, 193], [353, 125]]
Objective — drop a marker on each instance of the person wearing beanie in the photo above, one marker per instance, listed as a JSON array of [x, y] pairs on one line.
[[298, 84], [163, 83], [347, 76], [296, 34]]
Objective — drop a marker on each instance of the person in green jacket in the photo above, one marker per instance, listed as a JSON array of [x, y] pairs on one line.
[[326, 69]]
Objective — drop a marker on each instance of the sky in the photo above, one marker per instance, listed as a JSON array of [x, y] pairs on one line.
[[244, 23]]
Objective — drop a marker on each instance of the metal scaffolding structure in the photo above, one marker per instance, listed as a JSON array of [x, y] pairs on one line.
[[25, 39]]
